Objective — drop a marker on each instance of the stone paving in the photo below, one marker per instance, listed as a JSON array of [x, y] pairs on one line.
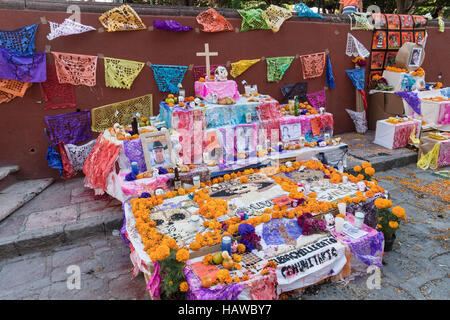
[[417, 268]]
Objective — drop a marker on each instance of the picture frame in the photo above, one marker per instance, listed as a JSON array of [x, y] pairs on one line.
[[246, 138], [157, 149], [290, 131], [415, 57]]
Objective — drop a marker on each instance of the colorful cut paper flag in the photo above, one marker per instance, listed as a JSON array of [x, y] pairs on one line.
[[121, 73], [168, 77], [67, 28], [19, 41], [277, 66], [239, 67], [122, 18], [76, 69]]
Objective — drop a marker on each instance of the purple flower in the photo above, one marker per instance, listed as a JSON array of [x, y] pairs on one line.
[[130, 176], [145, 195]]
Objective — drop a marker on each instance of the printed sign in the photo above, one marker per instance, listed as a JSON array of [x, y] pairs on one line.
[[310, 264]]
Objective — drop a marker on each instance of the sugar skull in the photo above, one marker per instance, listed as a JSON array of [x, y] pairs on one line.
[[221, 74]]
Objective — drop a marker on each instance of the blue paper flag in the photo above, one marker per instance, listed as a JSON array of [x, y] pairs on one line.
[[329, 74], [19, 41], [168, 77], [358, 77], [304, 11]]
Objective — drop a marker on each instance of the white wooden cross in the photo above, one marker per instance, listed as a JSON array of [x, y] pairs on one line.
[[207, 54]]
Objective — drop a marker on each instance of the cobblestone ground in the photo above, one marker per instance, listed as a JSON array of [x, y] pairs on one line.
[[417, 268]]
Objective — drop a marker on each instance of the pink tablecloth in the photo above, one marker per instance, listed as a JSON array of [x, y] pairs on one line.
[[223, 89]]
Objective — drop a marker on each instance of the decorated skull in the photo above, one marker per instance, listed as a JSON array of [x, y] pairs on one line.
[[221, 74]]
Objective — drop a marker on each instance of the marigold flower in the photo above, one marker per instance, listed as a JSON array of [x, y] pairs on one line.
[[184, 286], [369, 171], [357, 168], [162, 252], [399, 212], [366, 164], [243, 179], [379, 226], [195, 245], [241, 248], [393, 224], [182, 255], [237, 258]]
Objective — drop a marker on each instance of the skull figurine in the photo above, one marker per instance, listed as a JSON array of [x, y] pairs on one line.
[[221, 74]]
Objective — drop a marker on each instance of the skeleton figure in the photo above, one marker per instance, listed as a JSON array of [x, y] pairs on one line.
[[221, 74]]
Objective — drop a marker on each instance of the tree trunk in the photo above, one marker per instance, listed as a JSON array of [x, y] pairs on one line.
[[408, 6]]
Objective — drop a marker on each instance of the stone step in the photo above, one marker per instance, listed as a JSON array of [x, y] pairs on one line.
[[16, 195], [7, 170]]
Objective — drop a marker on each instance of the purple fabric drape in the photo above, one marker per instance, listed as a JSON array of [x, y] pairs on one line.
[[133, 151], [70, 127], [412, 99], [170, 25], [31, 68]]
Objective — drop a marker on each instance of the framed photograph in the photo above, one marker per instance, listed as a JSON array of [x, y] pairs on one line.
[[290, 131], [157, 149], [246, 138], [414, 58]]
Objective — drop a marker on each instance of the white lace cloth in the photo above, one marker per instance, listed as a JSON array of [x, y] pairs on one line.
[[67, 28], [359, 119], [355, 48], [78, 154]]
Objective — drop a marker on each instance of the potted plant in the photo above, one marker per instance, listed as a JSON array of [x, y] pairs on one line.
[[388, 220]]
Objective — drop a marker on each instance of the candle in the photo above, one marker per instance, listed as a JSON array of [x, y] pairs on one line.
[[339, 223], [196, 181], [359, 219], [134, 167], [226, 244], [342, 207]]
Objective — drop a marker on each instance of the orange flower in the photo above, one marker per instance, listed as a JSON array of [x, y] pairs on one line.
[[357, 168], [181, 192], [369, 171], [399, 212], [393, 224], [195, 246], [241, 248], [184, 286], [182, 255], [243, 179]]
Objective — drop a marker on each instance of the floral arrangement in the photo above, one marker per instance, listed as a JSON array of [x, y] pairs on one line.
[[380, 83], [438, 85], [171, 258], [305, 109], [365, 169], [309, 225], [395, 69], [419, 72], [388, 220], [360, 61]]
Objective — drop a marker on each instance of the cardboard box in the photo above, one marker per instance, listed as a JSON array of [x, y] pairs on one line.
[[382, 106]]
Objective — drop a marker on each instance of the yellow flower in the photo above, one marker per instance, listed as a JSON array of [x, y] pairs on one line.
[[237, 258], [184, 286], [399, 212], [379, 226], [357, 168], [393, 224], [241, 248], [182, 255]]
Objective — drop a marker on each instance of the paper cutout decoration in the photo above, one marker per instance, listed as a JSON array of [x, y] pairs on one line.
[[68, 171], [200, 71], [313, 65], [412, 99], [6, 97], [104, 117], [239, 67], [317, 99], [212, 21], [168, 77], [359, 119], [355, 48], [29, 68], [121, 73], [358, 77], [70, 127], [67, 28], [361, 21], [19, 41], [14, 87], [57, 95], [76, 69], [77, 155], [304, 11], [277, 66], [252, 20], [170, 25], [122, 18], [298, 89], [329, 74], [54, 159], [274, 16]]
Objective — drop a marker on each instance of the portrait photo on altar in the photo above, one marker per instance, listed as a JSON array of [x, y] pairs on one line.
[[157, 149], [414, 60], [290, 132], [245, 138]]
